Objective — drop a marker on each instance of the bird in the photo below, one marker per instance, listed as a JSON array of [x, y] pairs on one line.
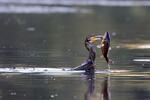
[[88, 65]]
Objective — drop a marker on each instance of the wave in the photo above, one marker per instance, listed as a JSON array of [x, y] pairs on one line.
[[41, 9], [79, 2]]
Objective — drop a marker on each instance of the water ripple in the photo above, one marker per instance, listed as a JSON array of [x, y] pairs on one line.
[[141, 60], [80, 2], [40, 9]]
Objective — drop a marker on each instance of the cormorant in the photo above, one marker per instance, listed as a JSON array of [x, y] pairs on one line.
[[88, 65]]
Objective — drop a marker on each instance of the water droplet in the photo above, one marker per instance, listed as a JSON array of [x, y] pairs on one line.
[[113, 62], [113, 33], [109, 67], [98, 46], [142, 64], [30, 28], [24, 95], [56, 95], [52, 96], [75, 97], [52, 78], [89, 79], [69, 50], [118, 46], [13, 93]]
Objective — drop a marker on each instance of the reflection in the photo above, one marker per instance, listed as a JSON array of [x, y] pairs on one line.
[[104, 91], [141, 60], [137, 46], [145, 46], [91, 87]]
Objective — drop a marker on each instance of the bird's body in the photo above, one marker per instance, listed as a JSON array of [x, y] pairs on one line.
[[89, 63]]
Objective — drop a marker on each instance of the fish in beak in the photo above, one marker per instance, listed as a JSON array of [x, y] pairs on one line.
[[105, 44]]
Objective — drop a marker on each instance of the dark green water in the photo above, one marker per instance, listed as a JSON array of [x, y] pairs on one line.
[[56, 39]]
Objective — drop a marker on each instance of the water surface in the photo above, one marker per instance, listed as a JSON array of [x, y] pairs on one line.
[[48, 34]]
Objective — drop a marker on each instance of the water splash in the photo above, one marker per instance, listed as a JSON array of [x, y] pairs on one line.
[[40, 71], [108, 67]]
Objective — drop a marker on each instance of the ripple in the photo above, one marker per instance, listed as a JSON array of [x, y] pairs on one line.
[[141, 60], [60, 72], [40, 9], [137, 46], [80, 2], [147, 46]]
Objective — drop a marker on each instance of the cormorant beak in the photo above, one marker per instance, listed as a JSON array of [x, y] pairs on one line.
[[95, 38]]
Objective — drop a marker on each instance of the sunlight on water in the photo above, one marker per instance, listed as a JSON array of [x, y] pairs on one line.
[[66, 72], [132, 74], [146, 46], [81, 2], [141, 60], [41, 9], [137, 46]]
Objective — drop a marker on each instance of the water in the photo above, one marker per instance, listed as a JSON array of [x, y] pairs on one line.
[[50, 34]]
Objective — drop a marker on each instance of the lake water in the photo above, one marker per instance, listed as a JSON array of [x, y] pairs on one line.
[[51, 33]]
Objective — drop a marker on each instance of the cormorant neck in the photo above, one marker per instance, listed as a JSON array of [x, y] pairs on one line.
[[91, 49]]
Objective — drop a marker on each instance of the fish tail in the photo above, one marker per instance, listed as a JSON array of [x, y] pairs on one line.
[[107, 60], [101, 56]]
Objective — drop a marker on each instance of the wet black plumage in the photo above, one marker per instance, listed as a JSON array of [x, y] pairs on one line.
[[89, 63]]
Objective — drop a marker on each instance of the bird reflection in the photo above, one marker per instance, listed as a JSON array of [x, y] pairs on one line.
[[91, 87], [104, 90]]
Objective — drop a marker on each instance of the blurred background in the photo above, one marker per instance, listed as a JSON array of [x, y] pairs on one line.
[[51, 33]]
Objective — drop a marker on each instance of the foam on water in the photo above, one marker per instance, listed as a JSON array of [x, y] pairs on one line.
[[51, 71], [111, 71], [39, 71], [61, 72], [35, 70]]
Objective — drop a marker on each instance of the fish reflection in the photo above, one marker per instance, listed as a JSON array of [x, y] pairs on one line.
[[104, 91]]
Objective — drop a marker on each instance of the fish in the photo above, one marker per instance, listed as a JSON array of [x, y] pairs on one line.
[[105, 46]]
